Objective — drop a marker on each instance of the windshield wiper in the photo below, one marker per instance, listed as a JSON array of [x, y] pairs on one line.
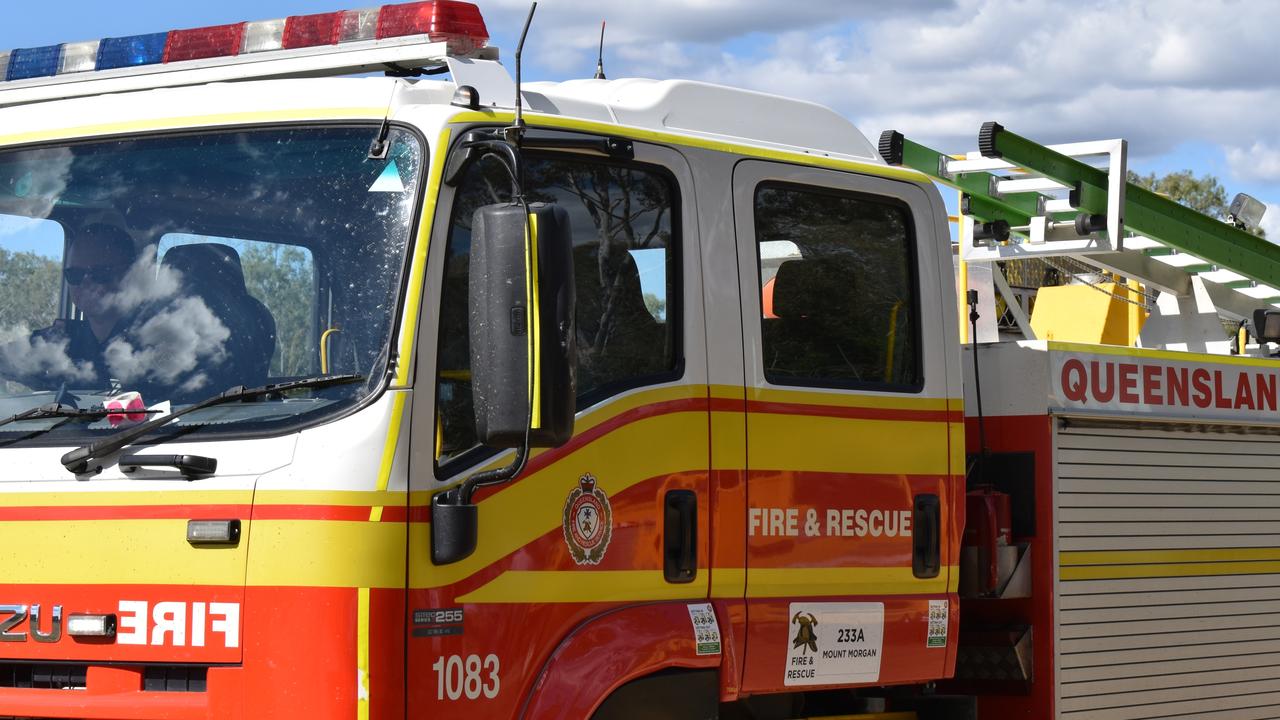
[[58, 410], [77, 461]]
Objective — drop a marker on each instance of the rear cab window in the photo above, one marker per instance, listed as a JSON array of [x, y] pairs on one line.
[[838, 292]]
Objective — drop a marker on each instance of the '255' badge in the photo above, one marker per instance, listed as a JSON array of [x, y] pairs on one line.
[[588, 522]]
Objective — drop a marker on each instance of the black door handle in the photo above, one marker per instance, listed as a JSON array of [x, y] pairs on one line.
[[680, 536], [926, 537]]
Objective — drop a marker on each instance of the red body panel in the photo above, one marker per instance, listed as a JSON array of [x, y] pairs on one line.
[[610, 650], [1031, 433]]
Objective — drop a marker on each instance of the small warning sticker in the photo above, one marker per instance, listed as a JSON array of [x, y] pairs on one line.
[[389, 180], [938, 612], [706, 633]]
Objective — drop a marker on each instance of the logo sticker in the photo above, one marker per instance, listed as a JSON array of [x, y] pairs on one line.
[[806, 632], [834, 643], [588, 522]]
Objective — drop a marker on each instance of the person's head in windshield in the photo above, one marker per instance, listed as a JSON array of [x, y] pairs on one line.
[[98, 257]]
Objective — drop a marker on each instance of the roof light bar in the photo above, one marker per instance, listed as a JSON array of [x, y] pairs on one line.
[[457, 24]]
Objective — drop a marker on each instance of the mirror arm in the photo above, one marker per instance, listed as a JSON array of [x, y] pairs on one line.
[[493, 477], [475, 145]]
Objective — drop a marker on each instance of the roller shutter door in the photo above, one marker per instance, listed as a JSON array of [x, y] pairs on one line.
[[1169, 572]]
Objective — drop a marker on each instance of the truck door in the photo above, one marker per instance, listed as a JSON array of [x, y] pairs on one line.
[[587, 528], [847, 428]]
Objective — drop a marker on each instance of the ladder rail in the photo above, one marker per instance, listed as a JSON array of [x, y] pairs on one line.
[[1216, 244]]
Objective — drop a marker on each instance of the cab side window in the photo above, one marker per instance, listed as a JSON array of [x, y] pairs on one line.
[[838, 289], [625, 240]]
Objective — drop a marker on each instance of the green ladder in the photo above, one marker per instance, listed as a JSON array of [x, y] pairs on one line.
[[1012, 188]]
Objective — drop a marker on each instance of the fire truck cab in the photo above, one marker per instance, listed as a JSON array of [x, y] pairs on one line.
[[298, 421]]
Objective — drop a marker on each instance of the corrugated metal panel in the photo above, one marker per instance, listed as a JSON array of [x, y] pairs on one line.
[[1169, 573]]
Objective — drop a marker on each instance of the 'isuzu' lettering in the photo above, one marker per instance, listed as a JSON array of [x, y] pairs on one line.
[[175, 623]]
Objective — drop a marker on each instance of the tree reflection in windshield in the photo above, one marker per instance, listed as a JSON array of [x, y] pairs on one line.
[[178, 267]]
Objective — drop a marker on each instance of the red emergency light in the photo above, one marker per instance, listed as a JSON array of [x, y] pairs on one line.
[[457, 23], [205, 42]]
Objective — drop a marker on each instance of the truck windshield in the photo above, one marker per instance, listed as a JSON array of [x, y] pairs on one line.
[[149, 273]]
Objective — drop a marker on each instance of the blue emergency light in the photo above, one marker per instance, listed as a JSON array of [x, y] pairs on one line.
[[130, 51]]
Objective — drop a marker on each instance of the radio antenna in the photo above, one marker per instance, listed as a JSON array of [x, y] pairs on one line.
[[516, 131], [600, 57]]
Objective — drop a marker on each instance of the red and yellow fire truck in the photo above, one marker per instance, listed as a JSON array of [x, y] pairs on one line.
[[386, 397]]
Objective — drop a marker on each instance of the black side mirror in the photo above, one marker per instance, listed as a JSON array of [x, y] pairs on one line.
[[521, 321], [522, 329]]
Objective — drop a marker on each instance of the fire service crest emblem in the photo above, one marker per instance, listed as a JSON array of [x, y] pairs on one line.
[[588, 522]]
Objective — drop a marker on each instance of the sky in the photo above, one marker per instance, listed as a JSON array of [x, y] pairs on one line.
[[1191, 84]]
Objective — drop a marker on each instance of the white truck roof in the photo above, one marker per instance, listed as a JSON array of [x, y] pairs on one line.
[[704, 110]]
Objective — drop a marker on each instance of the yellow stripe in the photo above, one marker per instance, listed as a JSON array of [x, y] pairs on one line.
[[728, 441], [958, 454], [389, 449], [597, 415], [194, 498], [530, 508], [657, 136], [841, 581], [130, 552], [534, 303], [845, 399], [91, 498], [170, 123], [1187, 357], [1137, 557], [867, 716], [1160, 570], [303, 553], [362, 653], [728, 582], [730, 392], [580, 586], [801, 443], [418, 266], [351, 498]]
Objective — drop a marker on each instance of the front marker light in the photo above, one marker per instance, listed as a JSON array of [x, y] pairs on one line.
[[91, 625], [213, 532]]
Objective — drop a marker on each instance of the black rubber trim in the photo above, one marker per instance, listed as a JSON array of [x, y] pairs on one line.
[[987, 139], [891, 146]]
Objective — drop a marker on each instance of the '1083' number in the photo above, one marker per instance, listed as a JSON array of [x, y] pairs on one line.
[[472, 677]]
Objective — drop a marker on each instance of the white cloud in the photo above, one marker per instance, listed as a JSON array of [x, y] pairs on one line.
[[1156, 73], [1260, 161], [1271, 222], [170, 345], [144, 282], [23, 355]]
